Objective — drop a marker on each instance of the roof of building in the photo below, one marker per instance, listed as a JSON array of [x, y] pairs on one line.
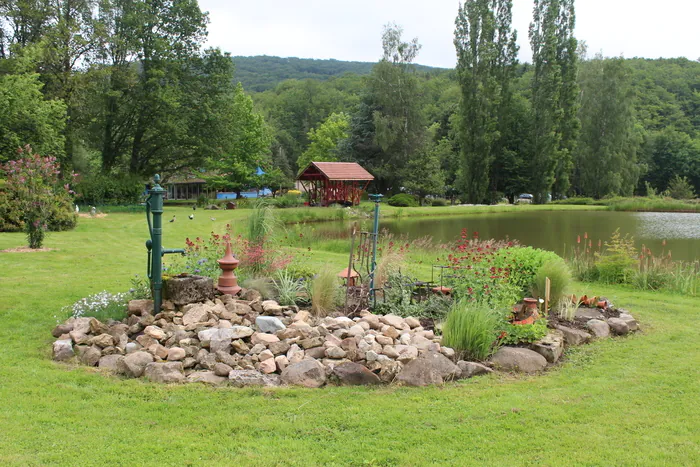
[[335, 171]]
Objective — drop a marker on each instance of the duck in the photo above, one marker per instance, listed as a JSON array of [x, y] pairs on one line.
[[172, 220]]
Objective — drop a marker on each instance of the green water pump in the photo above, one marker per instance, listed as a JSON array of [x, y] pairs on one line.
[[154, 209]]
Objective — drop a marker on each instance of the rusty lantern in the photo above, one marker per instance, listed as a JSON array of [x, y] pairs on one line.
[[228, 282]]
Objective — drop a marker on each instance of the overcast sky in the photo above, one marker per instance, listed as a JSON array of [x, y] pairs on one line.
[[351, 30]]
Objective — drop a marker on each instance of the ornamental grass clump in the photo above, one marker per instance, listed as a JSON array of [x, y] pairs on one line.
[[289, 288], [559, 280], [324, 292], [472, 330]]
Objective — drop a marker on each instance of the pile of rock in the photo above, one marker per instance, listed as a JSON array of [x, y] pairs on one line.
[[254, 342], [248, 341]]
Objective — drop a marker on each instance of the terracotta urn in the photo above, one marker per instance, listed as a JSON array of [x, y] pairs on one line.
[[228, 282]]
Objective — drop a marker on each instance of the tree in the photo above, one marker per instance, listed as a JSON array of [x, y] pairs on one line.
[[423, 174], [606, 155], [325, 139], [669, 153], [247, 147], [486, 52], [27, 118]]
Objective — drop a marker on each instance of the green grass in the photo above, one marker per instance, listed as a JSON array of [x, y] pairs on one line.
[[627, 401], [636, 204]]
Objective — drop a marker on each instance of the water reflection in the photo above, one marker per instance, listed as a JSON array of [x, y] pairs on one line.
[[554, 230]]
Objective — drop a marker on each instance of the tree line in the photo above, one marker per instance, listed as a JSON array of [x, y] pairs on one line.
[[113, 87]]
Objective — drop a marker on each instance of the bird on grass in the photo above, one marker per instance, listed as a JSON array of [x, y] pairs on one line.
[[191, 216], [194, 208], [213, 218], [172, 220]]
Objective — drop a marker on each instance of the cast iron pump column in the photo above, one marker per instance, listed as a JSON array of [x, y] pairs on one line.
[[377, 198], [154, 205]]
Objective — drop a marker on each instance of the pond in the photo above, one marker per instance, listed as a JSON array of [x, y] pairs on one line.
[[552, 230]]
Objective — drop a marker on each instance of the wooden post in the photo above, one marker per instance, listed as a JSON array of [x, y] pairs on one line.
[[547, 287]]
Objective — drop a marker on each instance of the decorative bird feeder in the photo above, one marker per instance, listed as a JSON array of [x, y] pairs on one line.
[[350, 275], [228, 282]]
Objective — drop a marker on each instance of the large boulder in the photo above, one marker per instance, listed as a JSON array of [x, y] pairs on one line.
[[206, 377], [599, 328], [139, 307], [188, 289], [234, 332], [242, 378], [171, 372], [354, 374], [618, 326], [470, 369], [63, 350], [574, 336], [308, 373], [443, 365], [110, 362], [419, 372], [550, 346], [134, 363], [519, 359], [632, 324], [588, 313]]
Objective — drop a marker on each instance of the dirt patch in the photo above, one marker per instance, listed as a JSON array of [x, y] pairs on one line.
[[553, 319], [87, 216], [26, 249]]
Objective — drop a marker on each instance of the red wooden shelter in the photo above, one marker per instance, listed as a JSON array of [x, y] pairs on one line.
[[334, 182]]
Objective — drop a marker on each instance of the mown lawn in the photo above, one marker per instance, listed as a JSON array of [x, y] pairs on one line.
[[627, 401]]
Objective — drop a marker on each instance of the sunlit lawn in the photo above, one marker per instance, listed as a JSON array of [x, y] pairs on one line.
[[627, 401]]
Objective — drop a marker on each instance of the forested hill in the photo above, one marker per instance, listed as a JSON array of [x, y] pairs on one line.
[[263, 72]]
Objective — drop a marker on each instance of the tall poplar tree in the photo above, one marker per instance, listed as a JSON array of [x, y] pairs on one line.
[[486, 55]]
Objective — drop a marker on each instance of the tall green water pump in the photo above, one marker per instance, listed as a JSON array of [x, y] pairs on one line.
[[154, 269], [377, 198]]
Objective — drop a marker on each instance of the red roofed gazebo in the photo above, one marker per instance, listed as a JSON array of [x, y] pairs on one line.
[[334, 182]]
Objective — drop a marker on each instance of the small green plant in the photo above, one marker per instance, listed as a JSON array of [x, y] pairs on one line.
[[288, 287], [524, 333], [616, 264], [471, 330], [102, 306], [559, 277], [680, 188], [403, 200], [324, 292], [140, 287]]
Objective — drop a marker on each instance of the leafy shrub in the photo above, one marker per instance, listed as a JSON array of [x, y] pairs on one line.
[[471, 330], [288, 201], [522, 264], [397, 299], [680, 188], [324, 292], [559, 278], [403, 200], [524, 333], [102, 306], [575, 200], [36, 196], [615, 265], [439, 202], [116, 189], [140, 288]]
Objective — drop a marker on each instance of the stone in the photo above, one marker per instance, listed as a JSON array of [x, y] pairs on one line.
[[63, 350], [412, 322], [97, 327], [599, 328], [271, 307], [110, 362], [278, 347], [240, 347], [371, 356], [315, 352], [222, 369], [171, 372], [618, 326], [335, 352], [103, 340], [220, 345], [372, 320], [235, 332], [195, 314], [302, 315], [443, 365], [632, 324], [263, 338], [384, 340], [266, 355], [419, 372], [139, 307], [79, 337], [406, 353], [188, 289], [132, 347], [448, 352], [62, 329], [519, 359], [207, 377], [269, 324], [267, 366], [135, 363], [470, 369], [356, 330], [421, 343], [189, 362], [257, 348], [311, 342], [154, 332], [239, 308], [308, 373], [391, 332], [550, 346], [243, 378], [389, 370], [295, 354], [250, 295], [90, 356], [588, 313], [390, 351], [176, 354], [81, 325], [354, 374], [281, 362], [159, 351], [574, 336], [392, 320]]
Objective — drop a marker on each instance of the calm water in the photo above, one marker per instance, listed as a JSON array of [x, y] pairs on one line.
[[556, 230]]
